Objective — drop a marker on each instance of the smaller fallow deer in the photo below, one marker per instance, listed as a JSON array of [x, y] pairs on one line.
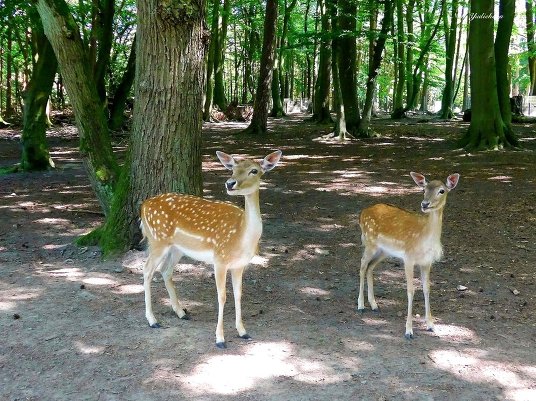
[[413, 237], [214, 232]]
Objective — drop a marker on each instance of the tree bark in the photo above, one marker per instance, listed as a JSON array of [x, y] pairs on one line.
[[209, 91], [72, 56], [259, 120], [165, 148], [347, 61]]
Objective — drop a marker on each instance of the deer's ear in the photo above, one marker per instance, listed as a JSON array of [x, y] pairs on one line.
[[419, 179], [225, 159], [452, 181], [270, 161]]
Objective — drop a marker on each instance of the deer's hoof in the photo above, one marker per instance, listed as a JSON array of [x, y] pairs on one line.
[[245, 336], [155, 325], [376, 311], [186, 315], [361, 310], [221, 345], [409, 336]]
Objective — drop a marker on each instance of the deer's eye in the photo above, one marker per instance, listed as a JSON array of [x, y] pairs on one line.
[[441, 191], [254, 171]]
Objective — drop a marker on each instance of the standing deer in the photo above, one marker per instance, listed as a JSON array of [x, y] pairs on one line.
[[415, 238], [215, 232]]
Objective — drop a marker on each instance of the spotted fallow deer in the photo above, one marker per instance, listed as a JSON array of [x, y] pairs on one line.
[[413, 237], [211, 231]]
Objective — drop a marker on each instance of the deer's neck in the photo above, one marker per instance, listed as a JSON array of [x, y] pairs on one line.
[[434, 225], [252, 216]]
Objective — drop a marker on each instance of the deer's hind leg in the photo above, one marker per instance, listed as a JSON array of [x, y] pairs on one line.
[[369, 260], [167, 268]]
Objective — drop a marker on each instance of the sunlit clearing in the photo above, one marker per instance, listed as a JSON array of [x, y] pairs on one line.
[[129, 289], [99, 281], [231, 374], [314, 291], [88, 349], [455, 333], [474, 366]]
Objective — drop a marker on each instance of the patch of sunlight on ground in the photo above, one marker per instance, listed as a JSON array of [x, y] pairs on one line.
[[314, 291], [455, 332], [232, 374], [474, 365], [89, 349], [53, 221], [9, 298], [128, 289], [99, 281]]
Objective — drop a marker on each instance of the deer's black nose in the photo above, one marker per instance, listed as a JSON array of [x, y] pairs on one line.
[[230, 184], [425, 204]]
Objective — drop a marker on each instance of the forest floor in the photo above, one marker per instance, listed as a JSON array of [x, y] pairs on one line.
[[73, 327]]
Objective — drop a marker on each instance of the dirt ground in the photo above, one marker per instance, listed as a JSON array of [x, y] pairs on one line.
[[72, 326]]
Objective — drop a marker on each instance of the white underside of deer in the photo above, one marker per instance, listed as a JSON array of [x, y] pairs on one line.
[[214, 232], [415, 238]]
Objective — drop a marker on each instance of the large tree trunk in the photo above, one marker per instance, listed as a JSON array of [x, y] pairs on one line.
[[35, 153], [72, 56], [347, 60], [340, 123], [374, 66], [502, 45], [259, 119], [321, 112], [165, 149], [488, 129]]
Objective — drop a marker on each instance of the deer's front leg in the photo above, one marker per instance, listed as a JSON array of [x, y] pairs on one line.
[[425, 278], [408, 267], [236, 275], [219, 275]]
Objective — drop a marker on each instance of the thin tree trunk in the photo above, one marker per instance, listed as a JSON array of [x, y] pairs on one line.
[[119, 101], [209, 91], [35, 152], [529, 17], [398, 107], [374, 66], [450, 40], [259, 119], [321, 112], [219, 58]]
